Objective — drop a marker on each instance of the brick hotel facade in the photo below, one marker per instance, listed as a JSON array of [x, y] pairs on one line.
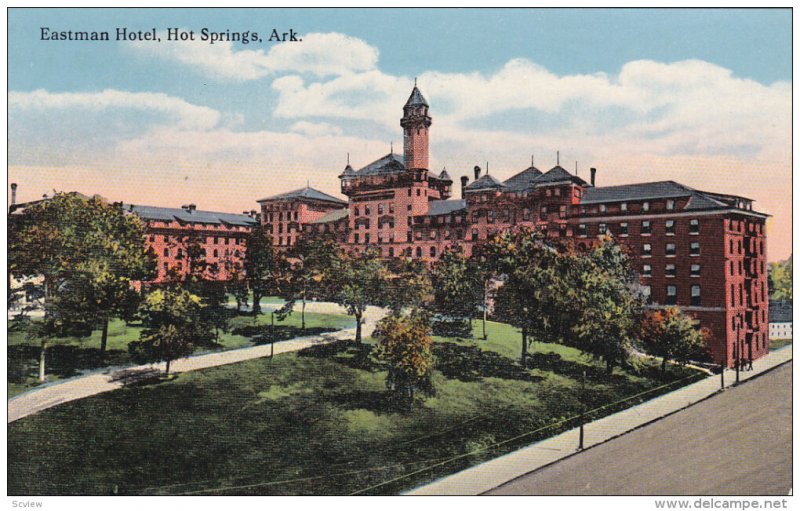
[[702, 251]]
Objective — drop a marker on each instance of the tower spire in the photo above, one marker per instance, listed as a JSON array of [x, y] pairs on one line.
[[348, 157]]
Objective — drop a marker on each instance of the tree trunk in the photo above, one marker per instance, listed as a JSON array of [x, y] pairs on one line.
[[167, 371], [104, 337], [664, 365], [256, 303], [303, 315], [524, 345], [358, 328], [41, 362]]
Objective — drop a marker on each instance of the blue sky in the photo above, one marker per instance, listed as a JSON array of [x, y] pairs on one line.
[[699, 96]]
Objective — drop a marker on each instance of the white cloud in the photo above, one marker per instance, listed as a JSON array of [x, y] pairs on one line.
[[315, 129], [319, 54], [182, 113]]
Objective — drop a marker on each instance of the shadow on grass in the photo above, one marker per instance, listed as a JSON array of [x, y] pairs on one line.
[[355, 356], [553, 362], [264, 334], [470, 363], [62, 361]]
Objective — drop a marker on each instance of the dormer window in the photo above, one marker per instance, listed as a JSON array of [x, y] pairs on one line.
[[645, 206]]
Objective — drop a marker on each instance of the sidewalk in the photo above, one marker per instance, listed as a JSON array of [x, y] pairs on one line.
[[114, 378], [489, 475]]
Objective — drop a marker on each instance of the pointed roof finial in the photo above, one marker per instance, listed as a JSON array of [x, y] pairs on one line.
[[487, 168], [532, 165], [558, 157], [391, 147], [308, 183], [348, 157], [415, 81]]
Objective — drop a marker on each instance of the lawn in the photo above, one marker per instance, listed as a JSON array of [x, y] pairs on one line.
[[69, 357], [776, 344], [317, 421]]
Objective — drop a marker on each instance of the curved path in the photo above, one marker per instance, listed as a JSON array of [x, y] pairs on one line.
[[110, 379]]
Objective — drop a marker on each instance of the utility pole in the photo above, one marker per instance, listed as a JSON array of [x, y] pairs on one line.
[[583, 410], [485, 306]]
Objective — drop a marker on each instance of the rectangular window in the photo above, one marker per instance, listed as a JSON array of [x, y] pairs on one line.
[[581, 229], [694, 248], [670, 204], [474, 234], [647, 250], [645, 206], [602, 229], [646, 227], [602, 208], [672, 295], [695, 270], [562, 212], [506, 215], [355, 239], [623, 206], [475, 217], [490, 216], [647, 270], [623, 229], [670, 249], [380, 209], [526, 214], [366, 238], [543, 213], [694, 226], [695, 295], [669, 270], [670, 227], [409, 236]]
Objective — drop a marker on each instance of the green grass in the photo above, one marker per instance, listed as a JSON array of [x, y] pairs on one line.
[[775, 344], [67, 357], [314, 422]]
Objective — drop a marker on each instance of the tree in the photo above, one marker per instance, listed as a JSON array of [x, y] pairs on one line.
[[263, 265], [358, 279], [408, 286], [84, 246], [604, 305], [672, 335], [780, 280], [309, 265], [458, 290], [174, 325], [530, 270], [404, 347]]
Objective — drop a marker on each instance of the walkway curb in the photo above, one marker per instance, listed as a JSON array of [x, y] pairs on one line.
[[491, 474]]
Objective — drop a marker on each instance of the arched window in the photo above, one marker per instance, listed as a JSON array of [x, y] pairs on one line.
[[419, 251], [433, 251]]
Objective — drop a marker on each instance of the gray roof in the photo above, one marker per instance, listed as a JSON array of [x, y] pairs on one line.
[[639, 191], [446, 207], [556, 175], [182, 215], [485, 182], [348, 171], [699, 200], [523, 180], [780, 312], [385, 165], [305, 193], [444, 176], [416, 98], [332, 216]]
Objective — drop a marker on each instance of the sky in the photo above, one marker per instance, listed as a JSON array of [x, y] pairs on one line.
[[698, 96]]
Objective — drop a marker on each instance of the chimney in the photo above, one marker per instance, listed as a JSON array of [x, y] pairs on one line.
[[464, 181], [13, 194], [477, 172], [594, 173], [189, 207]]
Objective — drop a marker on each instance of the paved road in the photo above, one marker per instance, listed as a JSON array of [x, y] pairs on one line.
[[113, 378], [738, 442]]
